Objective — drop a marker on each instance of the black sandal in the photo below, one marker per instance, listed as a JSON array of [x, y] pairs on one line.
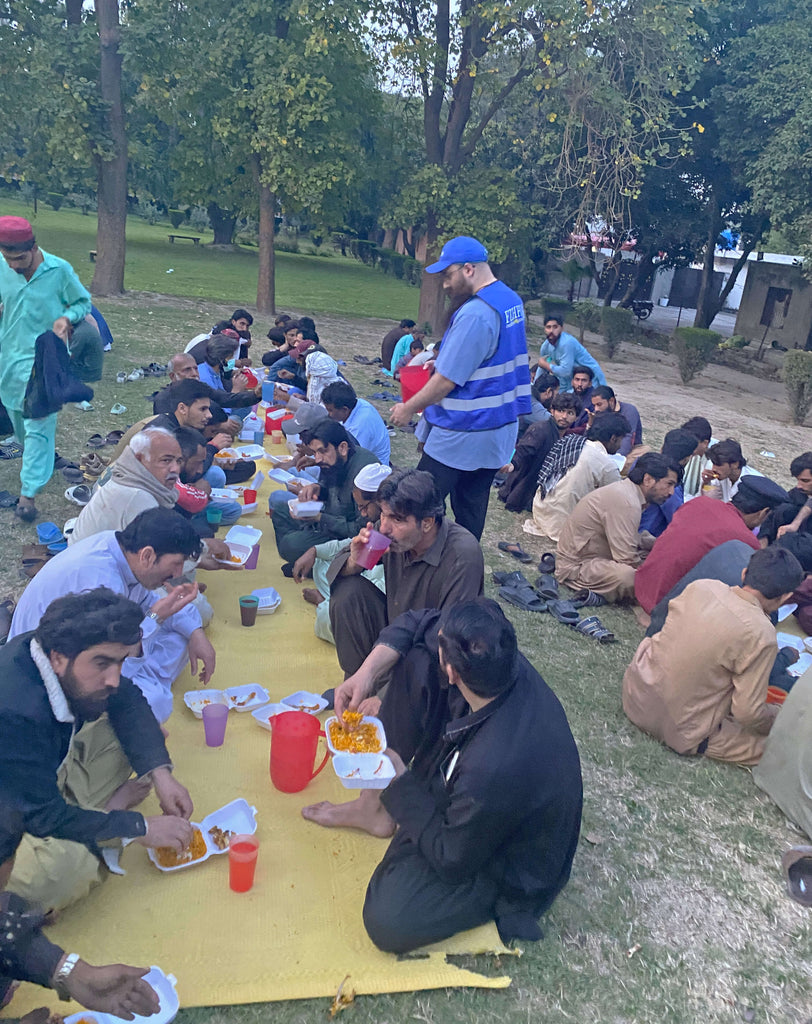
[[547, 563], [564, 611], [523, 596], [518, 552], [588, 599], [594, 627], [547, 588]]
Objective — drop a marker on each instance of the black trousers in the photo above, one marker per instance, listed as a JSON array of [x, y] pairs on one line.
[[469, 490], [407, 904], [357, 615]]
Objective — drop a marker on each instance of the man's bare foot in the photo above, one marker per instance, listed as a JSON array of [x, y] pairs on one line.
[[367, 813], [129, 795], [312, 596], [643, 617]]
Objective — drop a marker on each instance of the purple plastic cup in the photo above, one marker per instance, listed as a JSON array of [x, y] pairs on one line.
[[372, 552], [253, 558], [215, 718]]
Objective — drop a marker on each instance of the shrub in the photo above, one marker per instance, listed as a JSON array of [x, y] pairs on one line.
[[176, 218], [586, 315], [149, 211], [199, 218], [693, 347], [616, 326], [798, 382], [55, 200], [735, 341]]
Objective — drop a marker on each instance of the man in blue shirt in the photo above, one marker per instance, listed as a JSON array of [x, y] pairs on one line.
[[359, 417], [38, 292], [480, 385], [561, 353]]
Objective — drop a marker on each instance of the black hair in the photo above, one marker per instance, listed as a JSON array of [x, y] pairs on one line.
[[654, 465], [416, 343], [800, 545], [25, 246], [800, 463], [281, 318], [189, 440], [242, 314], [276, 336], [412, 492], [566, 401], [679, 444], [607, 425], [407, 323], [185, 392], [583, 369], [773, 572], [74, 622], [544, 381], [340, 394], [726, 451], [555, 318], [331, 432], [163, 530], [307, 323], [220, 348], [479, 642], [291, 325], [309, 334], [218, 415], [602, 391], [699, 427]]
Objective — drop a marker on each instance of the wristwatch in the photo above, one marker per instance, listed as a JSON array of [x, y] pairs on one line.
[[63, 974]]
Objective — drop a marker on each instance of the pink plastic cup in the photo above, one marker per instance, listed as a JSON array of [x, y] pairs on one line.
[[215, 718], [372, 552]]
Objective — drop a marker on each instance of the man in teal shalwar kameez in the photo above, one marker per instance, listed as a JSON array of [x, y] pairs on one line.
[[38, 292]]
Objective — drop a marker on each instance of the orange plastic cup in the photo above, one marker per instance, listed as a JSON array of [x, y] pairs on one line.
[[242, 862]]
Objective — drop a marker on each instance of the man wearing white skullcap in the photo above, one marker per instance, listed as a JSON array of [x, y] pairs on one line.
[[319, 557]]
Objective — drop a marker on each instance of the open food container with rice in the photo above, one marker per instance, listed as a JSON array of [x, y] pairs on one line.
[[236, 698], [358, 751], [210, 837]]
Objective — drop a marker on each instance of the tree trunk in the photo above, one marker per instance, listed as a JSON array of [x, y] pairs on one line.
[[266, 278], [432, 297], [644, 272], [223, 223], [111, 241], [708, 303], [705, 311]]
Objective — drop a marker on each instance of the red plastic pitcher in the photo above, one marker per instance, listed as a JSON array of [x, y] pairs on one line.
[[412, 379], [294, 739]]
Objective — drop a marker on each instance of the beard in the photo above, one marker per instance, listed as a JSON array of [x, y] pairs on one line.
[[87, 708], [333, 476]]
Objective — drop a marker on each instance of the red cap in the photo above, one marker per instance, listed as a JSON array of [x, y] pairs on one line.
[[15, 230]]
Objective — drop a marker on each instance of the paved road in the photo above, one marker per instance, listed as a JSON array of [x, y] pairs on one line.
[[664, 318]]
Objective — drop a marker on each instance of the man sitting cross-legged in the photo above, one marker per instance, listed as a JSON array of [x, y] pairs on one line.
[[431, 563], [72, 730], [574, 467], [700, 684], [339, 460], [532, 448], [700, 525], [134, 562], [600, 546], [489, 808]]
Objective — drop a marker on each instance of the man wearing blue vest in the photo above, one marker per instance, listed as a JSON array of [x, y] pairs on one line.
[[480, 385]]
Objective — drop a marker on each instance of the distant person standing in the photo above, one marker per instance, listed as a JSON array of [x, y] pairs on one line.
[[39, 292], [480, 386], [561, 353], [391, 338]]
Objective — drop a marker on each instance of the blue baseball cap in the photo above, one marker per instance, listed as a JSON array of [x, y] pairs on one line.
[[462, 249]]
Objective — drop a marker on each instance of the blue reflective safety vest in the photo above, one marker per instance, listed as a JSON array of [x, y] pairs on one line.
[[498, 391]]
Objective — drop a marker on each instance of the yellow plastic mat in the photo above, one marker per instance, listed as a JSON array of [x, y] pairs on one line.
[[299, 932]]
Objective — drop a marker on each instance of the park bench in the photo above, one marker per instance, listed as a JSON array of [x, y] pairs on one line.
[[190, 238]]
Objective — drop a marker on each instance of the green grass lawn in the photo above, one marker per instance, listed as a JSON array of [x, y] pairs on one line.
[[307, 283], [675, 912]]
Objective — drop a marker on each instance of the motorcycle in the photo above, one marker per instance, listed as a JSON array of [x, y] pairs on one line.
[[642, 308]]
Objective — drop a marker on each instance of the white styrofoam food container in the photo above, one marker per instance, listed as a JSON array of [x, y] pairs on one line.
[[226, 455], [363, 771], [281, 476], [248, 509], [303, 700], [248, 536], [239, 550], [269, 600], [224, 494], [305, 509], [251, 451], [196, 700], [164, 985], [262, 716], [277, 460], [367, 718], [234, 697], [238, 817]]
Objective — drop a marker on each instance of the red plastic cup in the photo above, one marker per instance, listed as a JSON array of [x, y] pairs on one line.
[[294, 741], [372, 552], [242, 862], [249, 496], [215, 719], [412, 380]]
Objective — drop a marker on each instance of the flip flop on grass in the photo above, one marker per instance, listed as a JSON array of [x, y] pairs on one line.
[[523, 596], [593, 627], [564, 611], [516, 550]]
